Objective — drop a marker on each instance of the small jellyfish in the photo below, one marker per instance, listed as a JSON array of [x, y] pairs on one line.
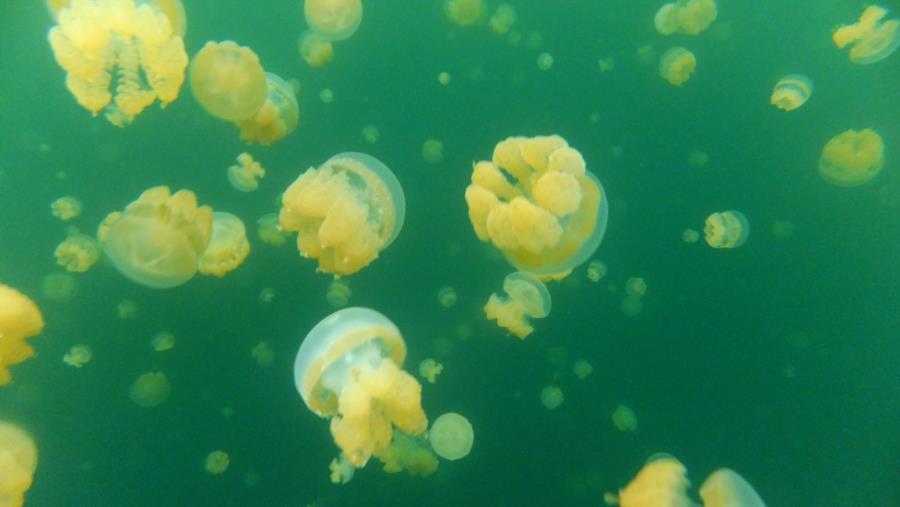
[[263, 355], [690, 236], [228, 81], [503, 18], [346, 212], [447, 297], [18, 461], [606, 64], [635, 287], [582, 369], [432, 151], [245, 175], [269, 231], [631, 306], [59, 287], [689, 17], [338, 294], [370, 134], [444, 78], [451, 436], [463, 12], [429, 369], [791, 92], [662, 481], [783, 229], [871, 39], [341, 470], [266, 295], [545, 61], [596, 270], [552, 397], [216, 462], [78, 356], [725, 488], [326, 95], [676, 65], [646, 54], [162, 341], [727, 229], [526, 298], [276, 118], [77, 253], [66, 208], [852, 158], [126, 309], [150, 389], [228, 246], [698, 159], [624, 419], [20, 319], [333, 19], [409, 453], [315, 50]]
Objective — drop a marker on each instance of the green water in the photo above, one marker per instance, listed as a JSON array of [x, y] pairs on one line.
[[778, 359]]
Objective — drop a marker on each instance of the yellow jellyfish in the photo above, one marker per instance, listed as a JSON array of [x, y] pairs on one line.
[[727, 229], [341, 470], [163, 341], [444, 78], [216, 462], [78, 252], [503, 18], [526, 298], [120, 55], [872, 39], [635, 287], [552, 397], [158, 239], [20, 319], [791, 92], [269, 231], [315, 50], [228, 81], [538, 205], [690, 236], [725, 488], [150, 389], [18, 461], [596, 270], [58, 287], [582, 369], [624, 419], [408, 453], [276, 118], [662, 481], [432, 151], [333, 19], [451, 436], [245, 175], [463, 12], [429, 369], [688, 17], [228, 246], [545, 61], [370, 134], [346, 211], [676, 65], [447, 296], [126, 309], [338, 294], [348, 369], [78, 356], [66, 208], [263, 355], [852, 158]]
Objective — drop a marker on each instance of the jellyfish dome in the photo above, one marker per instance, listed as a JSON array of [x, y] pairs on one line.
[[18, 461], [852, 158], [871, 39], [727, 229], [348, 368], [662, 481], [78, 252], [20, 319], [244, 176], [676, 65], [791, 92], [451, 436], [276, 118], [315, 50], [333, 19], [725, 488], [689, 17], [346, 212], [228, 246], [150, 389], [228, 81], [537, 204], [526, 298]]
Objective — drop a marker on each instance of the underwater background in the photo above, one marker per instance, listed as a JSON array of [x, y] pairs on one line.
[[778, 359]]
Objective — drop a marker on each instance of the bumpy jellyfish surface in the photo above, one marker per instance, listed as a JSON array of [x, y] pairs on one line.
[[20, 319], [228, 246], [333, 19], [451, 436], [852, 158], [536, 203], [348, 369], [77, 253], [158, 239], [346, 211], [725, 488], [688, 17], [245, 175], [662, 481], [277, 117], [526, 298], [315, 50], [463, 12], [120, 56], [18, 461], [228, 81], [791, 92], [871, 39], [727, 229], [676, 65], [408, 453]]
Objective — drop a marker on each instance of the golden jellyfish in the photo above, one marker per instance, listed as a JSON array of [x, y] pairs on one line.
[[727, 229], [852, 158], [582, 369], [346, 212], [503, 18], [333, 19], [66, 208], [78, 356], [690, 236], [447, 297], [18, 461], [158, 239], [688, 17], [370, 134], [78, 252], [526, 298], [348, 369], [269, 231], [676, 65], [451, 436], [408, 453], [444, 78], [20, 319], [338, 294], [463, 12], [150, 389], [276, 118], [871, 39], [429, 369], [624, 419], [537, 204], [791, 92], [245, 175], [163, 341], [725, 488], [432, 151], [228, 246], [635, 287], [263, 355], [216, 462], [315, 50], [662, 481], [341, 470], [596, 270], [552, 397], [59, 287], [228, 81]]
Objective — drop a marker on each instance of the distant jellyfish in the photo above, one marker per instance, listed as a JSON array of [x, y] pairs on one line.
[[429, 369], [852, 158], [646, 54], [444, 78], [266, 295], [333, 19], [432, 151], [412, 454], [451, 436], [341, 470], [582, 369], [447, 296], [676, 65], [552, 397], [228, 81], [545, 61], [20, 319], [162, 341], [66, 208], [871, 39], [216, 462], [503, 18], [338, 294], [463, 12], [326, 95], [126, 309], [783, 229], [150, 390], [58, 287], [370, 134], [662, 481], [791, 92], [228, 246], [269, 231], [526, 298], [245, 175], [698, 158], [315, 50], [727, 229], [18, 461], [690, 236], [596, 270], [631, 305], [725, 488], [624, 419], [276, 118], [606, 64], [689, 17], [78, 355], [635, 286], [263, 355], [78, 252]]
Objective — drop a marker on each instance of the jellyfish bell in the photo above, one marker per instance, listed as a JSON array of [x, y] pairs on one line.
[[463, 12], [852, 158], [726, 488], [791, 92], [689, 17], [451, 436], [726, 229], [333, 19], [676, 65], [244, 176], [18, 461], [228, 246], [526, 298], [871, 39], [662, 481], [315, 50], [20, 319], [228, 81], [276, 118]]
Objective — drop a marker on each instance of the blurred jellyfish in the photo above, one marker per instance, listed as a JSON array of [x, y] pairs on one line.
[[162, 341], [463, 12], [646, 55], [20, 319], [725, 488], [326, 96], [698, 158], [315, 50], [433, 151], [276, 118], [526, 298], [346, 212], [662, 481], [624, 419], [216, 462], [370, 134], [582, 369], [552, 397], [606, 64], [871, 39], [263, 355], [338, 294], [341, 470], [690, 236], [228, 81], [228, 246], [688, 17], [78, 356], [451, 436], [631, 305], [791, 92], [66, 208], [852, 158], [635, 287], [245, 175], [126, 309], [429, 369], [447, 296], [266, 295], [676, 65], [408, 453], [150, 390], [333, 19], [596, 270], [269, 231], [58, 287], [503, 18], [783, 229], [545, 61], [444, 78], [18, 461], [728, 229], [78, 252]]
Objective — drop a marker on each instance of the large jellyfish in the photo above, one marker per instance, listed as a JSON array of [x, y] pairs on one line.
[[661, 482], [227, 248], [872, 40], [157, 241], [726, 229], [228, 81], [346, 211], [348, 369], [245, 175], [685, 16], [276, 118], [791, 92], [526, 298], [333, 19], [852, 158], [451, 436], [725, 488], [538, 205], [20, 319], [78, 252], [18, 461], [676, 65], [120, 55]]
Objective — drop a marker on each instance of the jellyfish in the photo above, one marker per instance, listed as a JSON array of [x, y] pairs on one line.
[[433, 151], [429, 369], [725, 488], [676, 65], [552, 397], [228, 81], [158, 239], [852, 158], [120, 56], [348, 369], [341, 470], [163, 341], [526, 298], [635, 287], [263, 355], [444, 78], [78, 356], [266, 295], [338, 294], [791, 92], [126, 309], [646, 54], [370, 134], [150, 389], [596, 270], [20, 319], [727, 229], [245, 175], [662, 481], [698, 159], [451, 436], [269, 231], [582, 369], [326, 96], [315, 50], [503, 18], [346, 212], [463, 12], [77, 253], [333, 19], [689, 17], [276, 118], [409, 453], [545, 61], [227, 248], [18, 461], [447, 296], [216, 462], [606, 64], [631, 305], [66, 208], [59, 287], [871, 39], [690, 236], [538, 205], [624, 419]]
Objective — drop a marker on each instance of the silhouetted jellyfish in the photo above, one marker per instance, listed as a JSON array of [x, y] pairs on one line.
[[228, 246], [158, 239], [624, 419], [338, 293], [58, 287], [688, 17], [463, 12], [333, 19], [269, 231], [725, 488], [429, 369], [432, 151], [20, 319], [526, 298], [78, 252], [662, 481], [245, 175], [346, 211], [408, 453], [66, 208], [315, 50], [503, 18], [791, 92], [451, 436], [162, 341], [216, 462], [228, 81], [872, 40], [277, 117], [552, 397], [348, 369], [150, 390], [447, 296], [727, 229], [78, 356], [676, 65], [852, 158], [538, 205], [18, 461]]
